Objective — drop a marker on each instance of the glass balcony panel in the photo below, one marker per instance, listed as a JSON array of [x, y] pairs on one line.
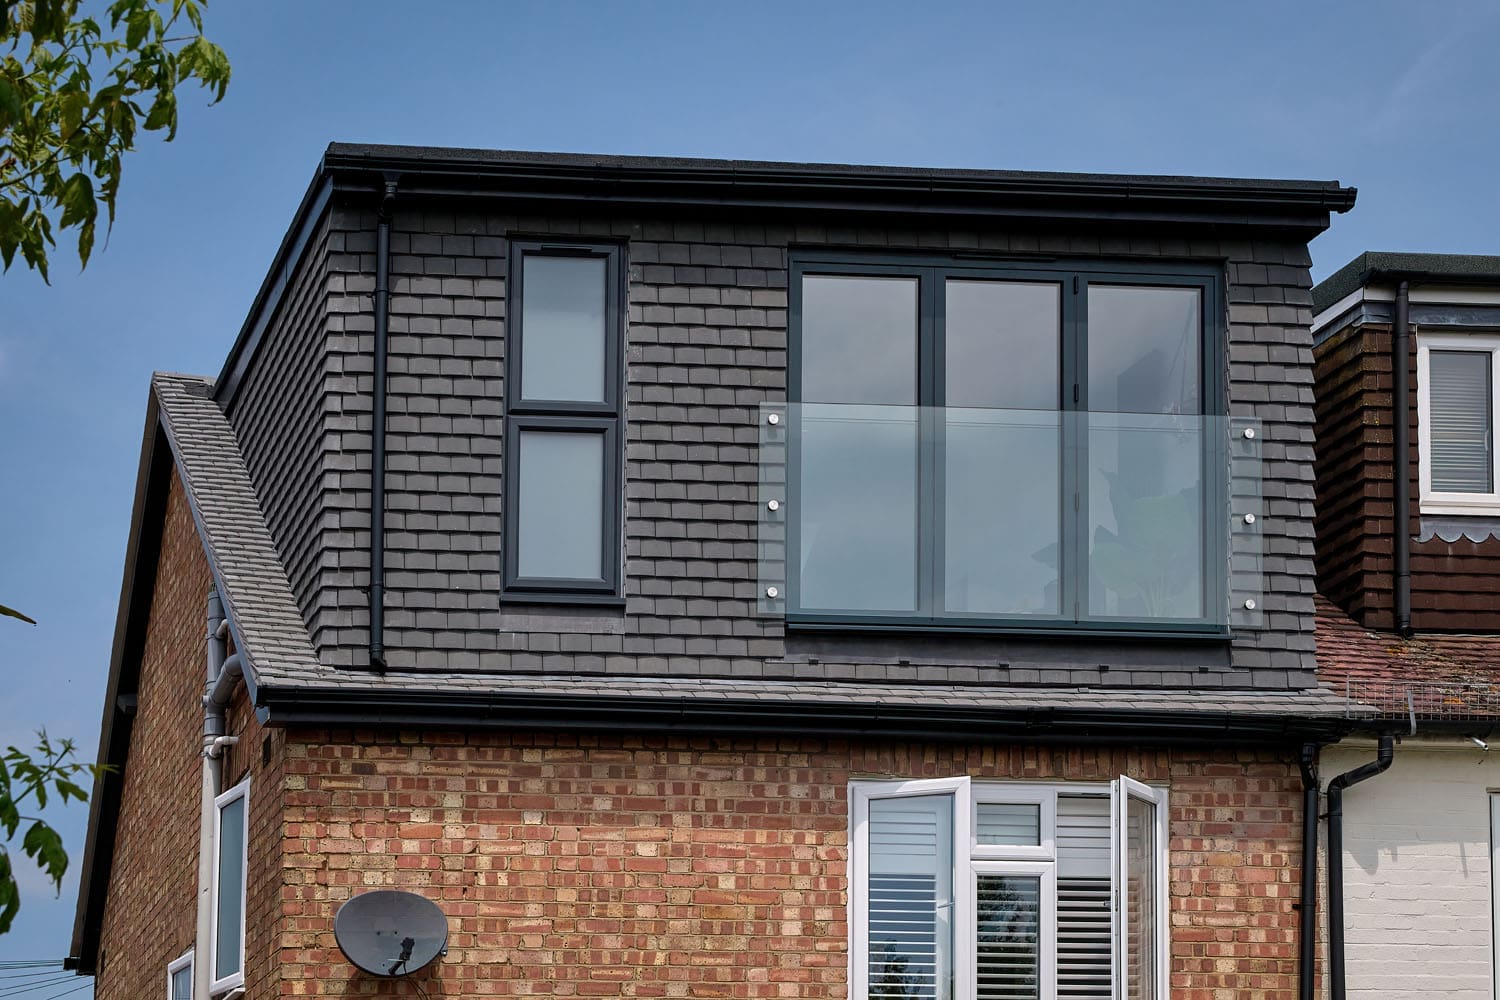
[[966, 517], [858, 499], [1145, 517], [1002, 501]]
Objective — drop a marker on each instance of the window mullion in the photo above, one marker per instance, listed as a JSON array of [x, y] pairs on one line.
[[932, 435], [1074, 425]]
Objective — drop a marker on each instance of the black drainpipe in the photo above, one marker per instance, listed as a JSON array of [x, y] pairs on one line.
[[1401, 423], [1307, 932], [1382, 761], [377, 427]]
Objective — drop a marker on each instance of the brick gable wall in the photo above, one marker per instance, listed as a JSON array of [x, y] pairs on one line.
[[679, 867], [150, 915]]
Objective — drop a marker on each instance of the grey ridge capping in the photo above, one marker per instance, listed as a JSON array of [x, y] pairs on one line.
[[1375, 265]]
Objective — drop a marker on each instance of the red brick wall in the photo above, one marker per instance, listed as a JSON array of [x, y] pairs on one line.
[[676, 867], [150, 912]]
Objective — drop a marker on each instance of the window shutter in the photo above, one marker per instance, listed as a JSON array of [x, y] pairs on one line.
[[1459, 421], [1084, 946], [910, 897]]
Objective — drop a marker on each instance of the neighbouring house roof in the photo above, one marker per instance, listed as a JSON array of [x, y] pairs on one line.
[[1375, 265], [1440, 679]]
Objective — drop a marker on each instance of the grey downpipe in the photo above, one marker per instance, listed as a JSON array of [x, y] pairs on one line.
[[1401, 487], [1307, 929], [222, 674], [377, 427], [1383, 757]]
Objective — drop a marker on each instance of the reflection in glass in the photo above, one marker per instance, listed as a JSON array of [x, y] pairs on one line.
[[1459, 421], [1013, 824], [1145, 516], [1140, 900], [229, 889], [1008, 937], [560, 519], [859, 339], [562, 326], [1002, 512], [859, 508], [1001, 340], [910, 947], [1143, 349]]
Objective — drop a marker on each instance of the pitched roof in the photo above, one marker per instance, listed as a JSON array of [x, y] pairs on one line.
[[1439, 678], [1372, 265], [267, 625]]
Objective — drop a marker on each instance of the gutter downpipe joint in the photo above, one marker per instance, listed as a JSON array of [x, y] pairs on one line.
[[1307, 919], [1383, 757], [1401, 485], [377, 428]]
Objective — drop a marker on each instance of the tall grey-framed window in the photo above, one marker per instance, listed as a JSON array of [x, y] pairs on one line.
[[1006, 444], [565, 310], [231, 857], [1458, 395]]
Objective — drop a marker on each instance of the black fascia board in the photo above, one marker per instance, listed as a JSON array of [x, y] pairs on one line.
[[344, 708], [628, 182], [1384, 266], [142, 552]]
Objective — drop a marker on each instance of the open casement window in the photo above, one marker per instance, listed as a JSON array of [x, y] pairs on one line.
[[231, 837], [1458, 396], [563, 455], [983, 891], [180, 977]]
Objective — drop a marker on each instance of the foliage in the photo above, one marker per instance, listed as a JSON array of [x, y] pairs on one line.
[[49, 769], [13, 613], [74, 89]]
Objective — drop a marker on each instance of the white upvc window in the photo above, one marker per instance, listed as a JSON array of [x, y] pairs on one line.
[[231, 837], [180, 977], [1458, 395], [966, 890]]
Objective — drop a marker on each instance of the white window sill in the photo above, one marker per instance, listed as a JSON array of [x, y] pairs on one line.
[[1486, 507]]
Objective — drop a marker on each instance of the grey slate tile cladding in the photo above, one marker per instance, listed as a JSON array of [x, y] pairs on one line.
[[705, 344]]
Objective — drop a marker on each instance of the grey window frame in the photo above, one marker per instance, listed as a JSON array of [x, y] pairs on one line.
[[566, 416], [1075, 275]]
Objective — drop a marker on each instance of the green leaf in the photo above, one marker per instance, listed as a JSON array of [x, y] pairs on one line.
[[12, 612], [77, 200], [10, 893], [45, 846]]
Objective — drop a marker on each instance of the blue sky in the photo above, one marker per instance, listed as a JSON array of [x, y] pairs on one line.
[[1395, 98]]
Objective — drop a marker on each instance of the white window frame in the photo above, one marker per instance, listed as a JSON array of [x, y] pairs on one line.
[[971, 859], [183, 961], [1432, 501], [237, 978]]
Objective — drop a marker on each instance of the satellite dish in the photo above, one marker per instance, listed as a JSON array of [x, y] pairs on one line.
[[389, 933]]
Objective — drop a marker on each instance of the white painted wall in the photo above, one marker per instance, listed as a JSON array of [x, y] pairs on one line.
[[1418, 911]]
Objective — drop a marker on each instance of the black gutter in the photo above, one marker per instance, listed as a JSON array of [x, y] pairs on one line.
[[1307, 922], [589, 711], [1401, 478], [1382, 761], [377, 426]]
